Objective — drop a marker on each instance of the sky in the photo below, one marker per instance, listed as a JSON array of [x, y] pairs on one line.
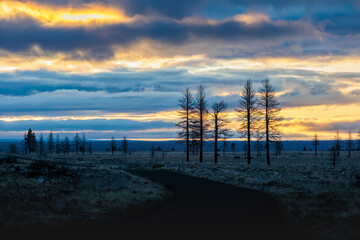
[[117, 68]]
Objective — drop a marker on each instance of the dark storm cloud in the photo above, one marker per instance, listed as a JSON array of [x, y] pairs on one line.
[[99, 42]]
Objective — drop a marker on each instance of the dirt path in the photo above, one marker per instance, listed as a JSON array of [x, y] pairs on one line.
[[208, 209], [198, 209]]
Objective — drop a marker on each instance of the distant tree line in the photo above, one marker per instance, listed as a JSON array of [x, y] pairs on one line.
[[79, 144], [52, 145], [258, 117]]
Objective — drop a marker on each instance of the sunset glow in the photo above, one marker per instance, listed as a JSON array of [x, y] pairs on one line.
[[108, 67]]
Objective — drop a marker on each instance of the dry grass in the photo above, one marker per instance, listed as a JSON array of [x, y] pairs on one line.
[[312, 191], [52, 190]]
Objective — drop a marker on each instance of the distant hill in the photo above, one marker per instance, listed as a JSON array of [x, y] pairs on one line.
[[169, 145]]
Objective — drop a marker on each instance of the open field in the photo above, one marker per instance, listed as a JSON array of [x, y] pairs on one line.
[[54, 190], [312, 192], [59, 188]]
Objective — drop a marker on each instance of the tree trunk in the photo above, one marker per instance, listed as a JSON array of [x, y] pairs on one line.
[[248, 137], [187, 136], [201, 136], [216, 139]]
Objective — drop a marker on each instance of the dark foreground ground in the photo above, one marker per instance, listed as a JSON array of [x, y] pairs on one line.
[[198, 209]]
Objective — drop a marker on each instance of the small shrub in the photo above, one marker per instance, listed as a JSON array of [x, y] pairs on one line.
[[158, 166]]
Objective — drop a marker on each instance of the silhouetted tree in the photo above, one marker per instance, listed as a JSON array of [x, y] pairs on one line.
[[278, 146], [200, 121], [358, 141], [220, 122], [30, 140], [77, 142], [90, 147], [315, 142], [58, 144], [259, 135], [247, 111], [112, 145], [270, 113], [125, 146], [83, 144], [349, 143], [51, 143], [66, 147], [186, 103], [24, 141], [337, 143], [13, 148], [42, 145], [233, 148]]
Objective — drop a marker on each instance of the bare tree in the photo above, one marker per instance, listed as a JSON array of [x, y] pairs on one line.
[[220, 121], [186, 103], [270, 113], [337, 143], [350, 143], [77, 142], [112, 145], [200, 121], [247, 111], [125, 146], [51, 143], [315, 142], [259, 136]]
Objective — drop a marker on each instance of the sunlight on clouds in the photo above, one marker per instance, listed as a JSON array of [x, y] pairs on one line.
[[87, 15], [252, 18]]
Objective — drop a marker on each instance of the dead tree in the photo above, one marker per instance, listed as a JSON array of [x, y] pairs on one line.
[[315, 142], [220, 122], [186, 103], [349, 143], [112, 145], [270, 113], [200, 122], [247, 112], [337, 143]]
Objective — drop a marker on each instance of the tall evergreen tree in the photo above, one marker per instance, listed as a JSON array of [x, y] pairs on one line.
[[77, 142], [270, 113], [66, 147], [58, 144], [51, 143], [42, 145], [186, 103]]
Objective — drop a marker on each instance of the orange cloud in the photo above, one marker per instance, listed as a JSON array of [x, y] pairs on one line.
[[87, 15]]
